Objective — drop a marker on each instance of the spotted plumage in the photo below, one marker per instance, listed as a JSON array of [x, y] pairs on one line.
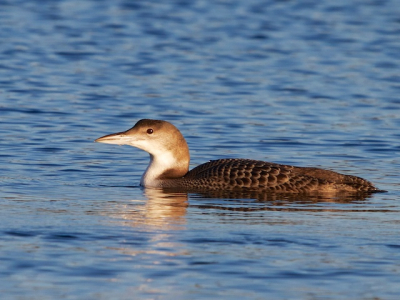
[[234, 174]]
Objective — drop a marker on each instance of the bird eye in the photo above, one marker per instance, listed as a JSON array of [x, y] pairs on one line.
[[149, 131]]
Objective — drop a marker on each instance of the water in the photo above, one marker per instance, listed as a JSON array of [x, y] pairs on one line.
[[303, 83]]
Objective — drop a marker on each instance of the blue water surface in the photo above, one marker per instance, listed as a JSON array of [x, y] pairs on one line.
[[307, 83]]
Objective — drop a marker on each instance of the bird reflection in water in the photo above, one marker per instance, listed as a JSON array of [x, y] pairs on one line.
[[158, 218], [165, 213], [162, 210], [249, 200], [167, 208]]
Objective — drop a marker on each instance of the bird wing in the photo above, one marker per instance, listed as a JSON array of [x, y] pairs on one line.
[[252, 174]]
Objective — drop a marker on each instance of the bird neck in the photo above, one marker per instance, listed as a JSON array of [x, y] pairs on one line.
[[165, 166]]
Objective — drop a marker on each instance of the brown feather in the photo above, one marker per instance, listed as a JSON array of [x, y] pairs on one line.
[[232, 174]]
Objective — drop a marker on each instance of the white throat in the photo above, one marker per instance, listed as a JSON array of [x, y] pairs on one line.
[[158, 165]]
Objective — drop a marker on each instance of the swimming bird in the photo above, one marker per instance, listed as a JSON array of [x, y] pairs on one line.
[[169, 167]]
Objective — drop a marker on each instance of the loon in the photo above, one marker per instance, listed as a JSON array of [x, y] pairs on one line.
[[169, 167]]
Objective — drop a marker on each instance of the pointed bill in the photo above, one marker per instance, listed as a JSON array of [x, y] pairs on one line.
[[119, 138]]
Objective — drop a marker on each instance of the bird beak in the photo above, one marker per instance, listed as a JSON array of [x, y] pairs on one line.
[[120, 138]]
